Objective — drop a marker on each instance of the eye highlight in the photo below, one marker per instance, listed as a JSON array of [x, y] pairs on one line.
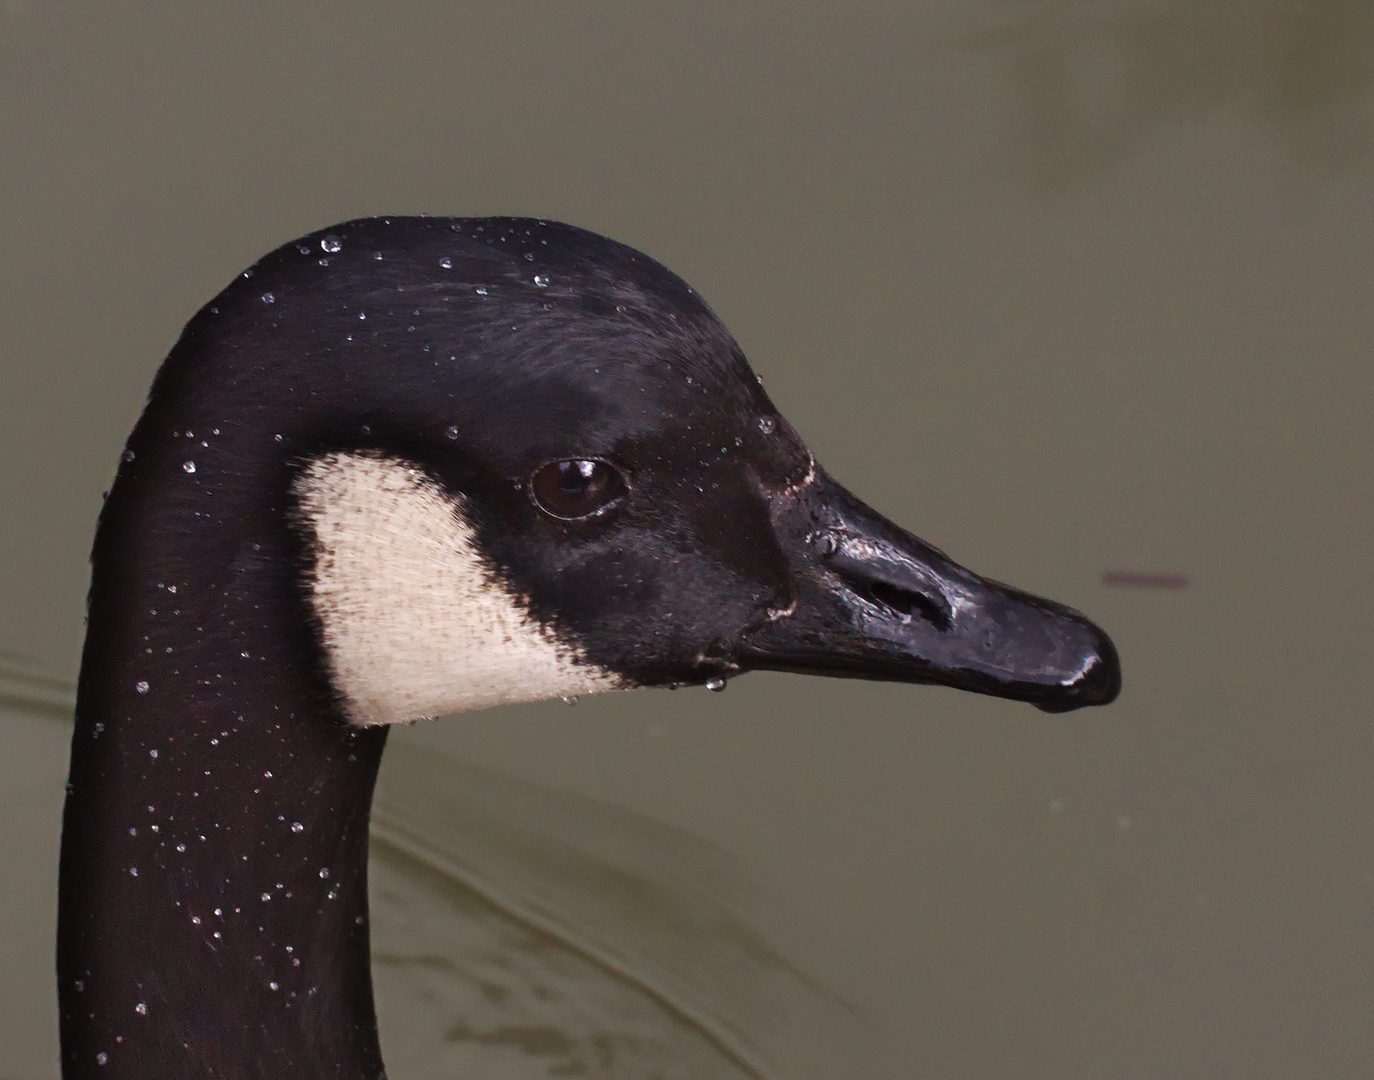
[[577, 488]]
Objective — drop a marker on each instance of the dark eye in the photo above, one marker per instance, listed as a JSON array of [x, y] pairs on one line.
[[576, 489]]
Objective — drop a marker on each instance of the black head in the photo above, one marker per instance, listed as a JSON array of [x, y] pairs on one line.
[[624, 477]]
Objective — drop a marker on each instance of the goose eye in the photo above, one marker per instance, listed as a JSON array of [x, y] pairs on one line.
[[576, 489]]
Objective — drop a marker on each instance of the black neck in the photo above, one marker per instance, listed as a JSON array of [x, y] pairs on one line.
[[213, 886]]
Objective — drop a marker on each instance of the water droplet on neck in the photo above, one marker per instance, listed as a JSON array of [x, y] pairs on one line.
[[541, 280], [446, 263], [330, 244], [268, 298], [189, 466], [451, 431], [767, 424]]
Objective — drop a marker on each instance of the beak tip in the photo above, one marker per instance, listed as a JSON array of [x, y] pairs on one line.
[[1098, 684]]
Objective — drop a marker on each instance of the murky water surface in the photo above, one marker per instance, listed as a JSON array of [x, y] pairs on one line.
[[1079, 292]]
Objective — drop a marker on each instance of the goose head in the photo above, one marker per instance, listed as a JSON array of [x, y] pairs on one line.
[[410, 467]]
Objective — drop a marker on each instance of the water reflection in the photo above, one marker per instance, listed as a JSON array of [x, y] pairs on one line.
[[465, 990], [522, 931], [1092, 83]]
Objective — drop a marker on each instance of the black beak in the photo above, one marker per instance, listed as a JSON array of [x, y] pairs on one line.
[[874, 602]]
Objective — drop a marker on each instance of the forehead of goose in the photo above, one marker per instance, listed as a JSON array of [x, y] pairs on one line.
[[610, 329]]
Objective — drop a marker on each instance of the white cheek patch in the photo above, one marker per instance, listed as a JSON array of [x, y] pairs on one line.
[[413, 623]]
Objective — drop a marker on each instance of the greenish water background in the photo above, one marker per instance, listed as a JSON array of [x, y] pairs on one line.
[[1062, 287]]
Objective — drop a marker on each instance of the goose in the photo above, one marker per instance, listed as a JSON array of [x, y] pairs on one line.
[[402, 468]]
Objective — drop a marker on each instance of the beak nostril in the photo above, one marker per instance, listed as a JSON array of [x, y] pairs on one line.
[[905, 603]]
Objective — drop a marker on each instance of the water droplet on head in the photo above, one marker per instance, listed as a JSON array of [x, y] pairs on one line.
[[141, 1008], [451, 431], [101, 1058], [481, 290], [268, 298], [446, 263], [716, 684], [296, 826], [128, 455], [330, 243], [542, 280], [141, 686], [304, 249], [767, 424], [377, 255], [189, 466]]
